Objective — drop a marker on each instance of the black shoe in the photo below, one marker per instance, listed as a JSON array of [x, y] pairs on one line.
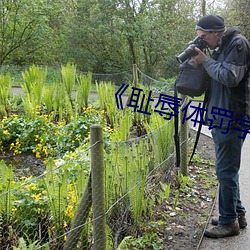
[[241, 219], [221, 231]]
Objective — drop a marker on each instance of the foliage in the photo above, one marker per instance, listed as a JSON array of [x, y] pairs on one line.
[[106, 36], [34, 81], [161, 136], [43, 137], [147, 241], [46, 205], [22, 23], [68, 74], [106, 96], [22, 245], [83, 90], [51, 200], [6, 184], [5, 89]]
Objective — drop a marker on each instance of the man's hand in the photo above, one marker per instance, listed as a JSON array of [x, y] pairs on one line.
[[200, 58]]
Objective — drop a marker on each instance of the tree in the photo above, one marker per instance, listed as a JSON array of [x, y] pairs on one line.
[[237, 12], [21, 21]]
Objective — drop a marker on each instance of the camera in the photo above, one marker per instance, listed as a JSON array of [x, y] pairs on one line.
[[190, 51]]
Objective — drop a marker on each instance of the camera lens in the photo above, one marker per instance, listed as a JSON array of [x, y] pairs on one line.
[[187, 53]]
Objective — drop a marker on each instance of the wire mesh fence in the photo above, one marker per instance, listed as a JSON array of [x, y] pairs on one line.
[[56, 210], [46, 210]]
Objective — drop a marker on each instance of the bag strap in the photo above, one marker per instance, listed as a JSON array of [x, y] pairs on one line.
[[202, 113], [199, 129], [176, 134]]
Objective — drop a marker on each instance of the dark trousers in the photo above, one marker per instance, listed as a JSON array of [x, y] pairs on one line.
[[228, 156]]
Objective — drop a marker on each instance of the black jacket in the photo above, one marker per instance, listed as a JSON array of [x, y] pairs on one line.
[[229, 88]]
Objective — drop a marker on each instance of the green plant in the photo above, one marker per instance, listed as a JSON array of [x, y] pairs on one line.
[[126, 172], [106, 95], [68, 74], [122, 125], [5, 90], [142, 113], [34, 81], [147, 241], [6, 184], [48, 98], [30, 207], [161, 133], [176, 199], [164, 191], [184, 181], [83, 91]]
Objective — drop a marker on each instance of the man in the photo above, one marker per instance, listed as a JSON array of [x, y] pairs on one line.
[[227, 108]]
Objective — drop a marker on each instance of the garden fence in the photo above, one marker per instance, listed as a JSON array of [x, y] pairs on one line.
[[97, 204], [133, 177]]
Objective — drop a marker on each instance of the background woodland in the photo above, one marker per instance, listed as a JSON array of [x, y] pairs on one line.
[[107, 36]]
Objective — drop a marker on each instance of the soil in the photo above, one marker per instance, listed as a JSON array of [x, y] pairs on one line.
[[186, 223], [25, 164]]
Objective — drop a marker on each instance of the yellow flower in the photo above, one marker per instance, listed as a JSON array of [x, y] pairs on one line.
[[73, 199], [69, 211], [14, 209], [31, 187], [6, 132], [37, 196], [38, 156]]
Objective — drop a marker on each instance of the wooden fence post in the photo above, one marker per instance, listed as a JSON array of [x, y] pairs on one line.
[[135, 75], [98, 195]]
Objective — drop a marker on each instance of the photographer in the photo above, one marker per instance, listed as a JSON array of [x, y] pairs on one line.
[[228, 93]]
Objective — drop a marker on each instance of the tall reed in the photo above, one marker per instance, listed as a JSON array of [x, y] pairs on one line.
[[56, 184], [106, 95], [6, 184], [83, 91], [161, 133], [5, 90], [33, 86], [126, 172], [68, 74], [48, 97]]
